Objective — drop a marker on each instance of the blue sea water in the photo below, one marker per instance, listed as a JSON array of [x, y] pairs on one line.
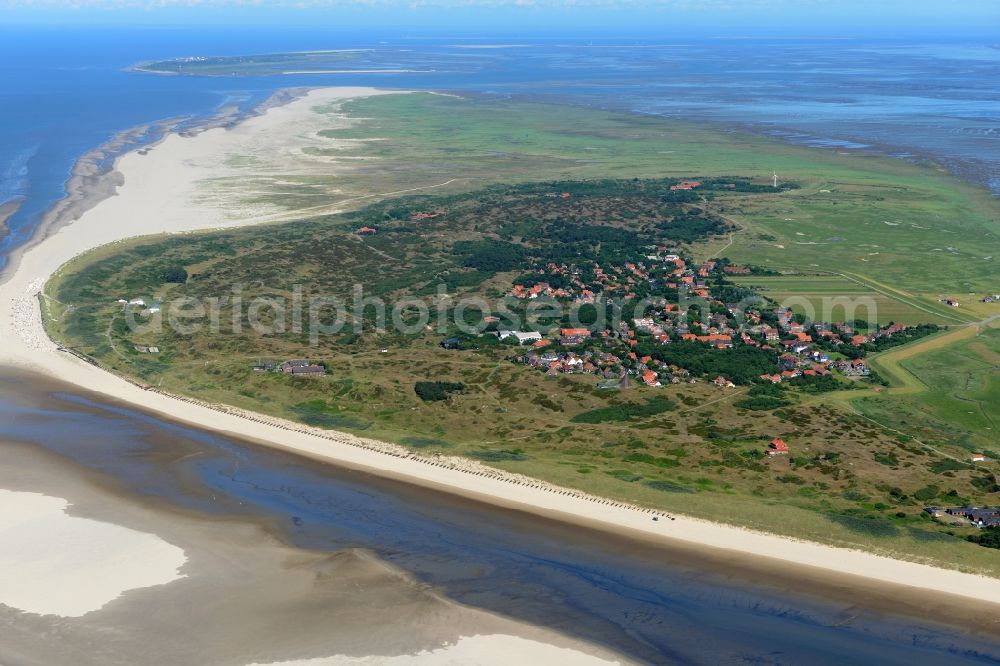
[[67, 90]]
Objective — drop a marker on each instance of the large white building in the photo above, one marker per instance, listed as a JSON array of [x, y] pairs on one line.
[[522, 336]]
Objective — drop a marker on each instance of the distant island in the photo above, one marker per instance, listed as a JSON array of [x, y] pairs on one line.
[[343, 61]]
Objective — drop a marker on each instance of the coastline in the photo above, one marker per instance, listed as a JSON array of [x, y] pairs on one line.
[[95, 177], [236, 574], [231, 116], [29, 348], [6, 210]]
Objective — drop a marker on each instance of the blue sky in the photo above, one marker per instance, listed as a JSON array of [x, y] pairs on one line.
[[665, 17]]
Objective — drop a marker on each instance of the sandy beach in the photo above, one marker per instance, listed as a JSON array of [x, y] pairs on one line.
[[164, 191], [44, 551], [483, 650], [240, 596]]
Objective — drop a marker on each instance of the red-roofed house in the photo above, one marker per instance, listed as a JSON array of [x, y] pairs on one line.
[[583, 332], [777, 447]]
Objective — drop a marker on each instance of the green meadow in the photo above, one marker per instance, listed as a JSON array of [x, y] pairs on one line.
[[837, 298], [947, 395]]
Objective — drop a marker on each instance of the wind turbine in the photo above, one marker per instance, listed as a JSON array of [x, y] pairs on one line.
[[775, 180]]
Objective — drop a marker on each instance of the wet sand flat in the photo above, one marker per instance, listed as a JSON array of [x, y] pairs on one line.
[[244, 596]]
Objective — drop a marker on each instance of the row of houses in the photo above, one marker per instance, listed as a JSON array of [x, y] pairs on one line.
[[295, 367], [884, 332], [613, 370], [856, 367], [973, 516], [606, 364]]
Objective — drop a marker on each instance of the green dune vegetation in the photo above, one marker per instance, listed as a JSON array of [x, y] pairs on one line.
[[540, 186]]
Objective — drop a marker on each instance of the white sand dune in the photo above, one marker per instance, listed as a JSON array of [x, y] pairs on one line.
[[52, 563], [160, 195]]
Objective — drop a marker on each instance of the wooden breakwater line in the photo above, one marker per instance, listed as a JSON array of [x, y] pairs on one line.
[[382, 448]]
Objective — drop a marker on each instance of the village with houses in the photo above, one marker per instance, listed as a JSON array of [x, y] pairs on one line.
[[799, 348]]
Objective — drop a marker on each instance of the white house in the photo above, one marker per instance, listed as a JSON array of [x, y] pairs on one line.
[[522, 336]]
